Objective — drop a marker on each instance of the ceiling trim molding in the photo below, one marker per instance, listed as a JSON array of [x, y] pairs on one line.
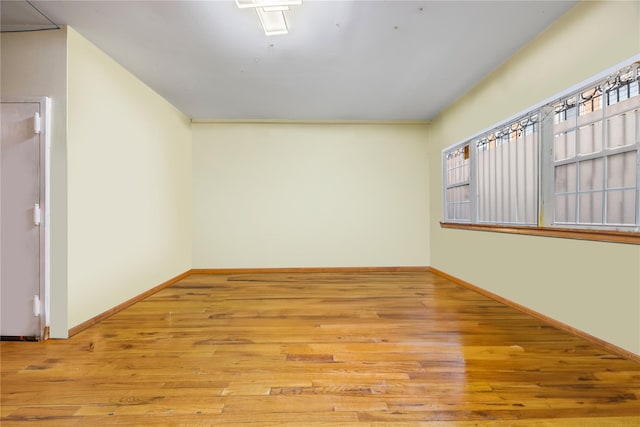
[[310, 122]]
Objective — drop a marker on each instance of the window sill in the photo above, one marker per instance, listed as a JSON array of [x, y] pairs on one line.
[[627, 237]]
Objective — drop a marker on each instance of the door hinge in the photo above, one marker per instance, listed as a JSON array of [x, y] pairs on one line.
[[36, 122], [36, 305], [36, 214]]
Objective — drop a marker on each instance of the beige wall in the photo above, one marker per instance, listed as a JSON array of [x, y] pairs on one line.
[[309, 195], [129, 170], [592, 286], [34, 64]]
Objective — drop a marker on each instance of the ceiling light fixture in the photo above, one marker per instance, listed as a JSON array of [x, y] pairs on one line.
[[270, 13]]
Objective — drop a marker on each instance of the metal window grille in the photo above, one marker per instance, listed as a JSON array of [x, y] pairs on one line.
[[596, 137]]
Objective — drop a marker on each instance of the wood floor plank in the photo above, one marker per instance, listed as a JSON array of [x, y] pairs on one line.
[[318, 349]]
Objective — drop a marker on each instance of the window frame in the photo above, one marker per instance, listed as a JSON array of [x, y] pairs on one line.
[[464, 150]]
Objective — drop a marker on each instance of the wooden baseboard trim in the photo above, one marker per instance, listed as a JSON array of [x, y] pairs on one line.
[[102, 316], [549, 320], [310, 270]]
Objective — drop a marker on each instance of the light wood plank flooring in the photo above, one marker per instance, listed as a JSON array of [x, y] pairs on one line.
[[318, 349]]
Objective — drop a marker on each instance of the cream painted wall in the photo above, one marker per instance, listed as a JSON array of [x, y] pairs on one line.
[[34, 64], [591, 286], [309, 195], [129, 170]]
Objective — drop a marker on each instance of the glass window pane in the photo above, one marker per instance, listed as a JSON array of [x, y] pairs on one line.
[[621, 170], [565, 178], [591, 174], [590, 138], [564, 146], [591, 101], [565, 208], [465, 212], [634, 88], [621, 207], [450, 195], [464, 193], [590, 208], [621, 129]]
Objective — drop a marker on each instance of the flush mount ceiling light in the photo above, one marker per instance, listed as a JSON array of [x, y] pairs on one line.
[[271, 13]]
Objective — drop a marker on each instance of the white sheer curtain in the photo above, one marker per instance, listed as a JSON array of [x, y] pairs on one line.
[[508, 175]]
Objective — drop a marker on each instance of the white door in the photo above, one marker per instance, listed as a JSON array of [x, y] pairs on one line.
[[22, 201]]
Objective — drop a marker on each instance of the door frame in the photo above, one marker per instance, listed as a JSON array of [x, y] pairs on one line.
[[45, 199]]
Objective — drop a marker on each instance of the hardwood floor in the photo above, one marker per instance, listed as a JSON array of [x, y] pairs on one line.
[[318, 349]]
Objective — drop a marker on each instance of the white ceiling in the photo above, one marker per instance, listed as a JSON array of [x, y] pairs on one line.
[[342, 60]]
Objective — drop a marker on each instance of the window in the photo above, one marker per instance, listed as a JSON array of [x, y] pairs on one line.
[[571, 163], [457, 185], [595, 154]]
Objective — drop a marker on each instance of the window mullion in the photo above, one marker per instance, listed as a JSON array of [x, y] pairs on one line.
[[637, 130], [546, 171], [473, 183]]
